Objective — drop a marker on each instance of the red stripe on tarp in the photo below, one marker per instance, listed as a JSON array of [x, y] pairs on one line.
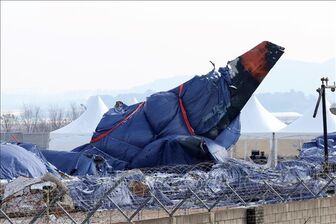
[[117, 125], [184, 113]]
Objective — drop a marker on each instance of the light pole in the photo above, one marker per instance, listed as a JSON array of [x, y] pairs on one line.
[[321, 92]]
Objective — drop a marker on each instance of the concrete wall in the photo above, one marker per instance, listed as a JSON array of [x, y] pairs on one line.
[[219, 216], [301, 212], [286, 147], [310, 211], [40, 139]]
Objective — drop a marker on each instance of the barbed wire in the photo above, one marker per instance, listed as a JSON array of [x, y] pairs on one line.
[[164, 192]]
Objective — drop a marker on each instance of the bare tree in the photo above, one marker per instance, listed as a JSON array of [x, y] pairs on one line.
[[75, 111], [44, 126], [30, 118], [26, 117], [8, 122], [36, 118], [57, 117]]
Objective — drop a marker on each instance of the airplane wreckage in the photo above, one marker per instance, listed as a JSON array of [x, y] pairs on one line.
[[195, 122]]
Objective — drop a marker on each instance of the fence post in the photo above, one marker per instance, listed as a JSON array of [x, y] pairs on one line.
[[56, 199], [6, 216], [103, 198]]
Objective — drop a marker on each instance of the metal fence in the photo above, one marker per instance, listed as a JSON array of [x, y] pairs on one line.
[[164, 192]]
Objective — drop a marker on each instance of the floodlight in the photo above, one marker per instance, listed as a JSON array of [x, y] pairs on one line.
[[333, 108]]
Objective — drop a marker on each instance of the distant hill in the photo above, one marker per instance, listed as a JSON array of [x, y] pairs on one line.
[[292, 101], [290, 86], [127, 98], [290, 75]]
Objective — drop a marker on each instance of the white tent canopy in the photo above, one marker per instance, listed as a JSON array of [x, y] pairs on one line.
[[287, 117], [79, 131], [256, 119], [307, 125], [257, 122]]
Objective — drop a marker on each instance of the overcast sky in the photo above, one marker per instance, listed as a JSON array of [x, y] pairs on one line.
[[55, 46]]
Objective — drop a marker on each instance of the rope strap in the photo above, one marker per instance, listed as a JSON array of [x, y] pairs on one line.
[[184, 112], [118, 124]]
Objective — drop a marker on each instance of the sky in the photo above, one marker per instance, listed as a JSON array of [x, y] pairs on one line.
[[55, 46]]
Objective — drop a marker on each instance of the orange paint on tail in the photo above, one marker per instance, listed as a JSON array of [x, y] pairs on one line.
[[255, 61]]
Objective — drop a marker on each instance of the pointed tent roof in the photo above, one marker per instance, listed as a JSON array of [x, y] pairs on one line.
[[309, 125], [89, 120], [255, 118]]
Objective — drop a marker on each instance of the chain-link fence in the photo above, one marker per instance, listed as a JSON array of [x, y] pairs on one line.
[[135, 195]]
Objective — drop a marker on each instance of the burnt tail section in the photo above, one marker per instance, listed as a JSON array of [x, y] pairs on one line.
[[247, 72]]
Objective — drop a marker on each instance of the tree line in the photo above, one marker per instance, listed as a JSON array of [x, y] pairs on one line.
[[33, 119]]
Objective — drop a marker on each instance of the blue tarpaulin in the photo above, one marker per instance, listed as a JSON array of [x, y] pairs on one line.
[[72, 163], [38, 152], [211, 183], [17, 161], [24, 159], [152, 133], [76, 164], [192, 123], [195, 122], [313, 151]]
